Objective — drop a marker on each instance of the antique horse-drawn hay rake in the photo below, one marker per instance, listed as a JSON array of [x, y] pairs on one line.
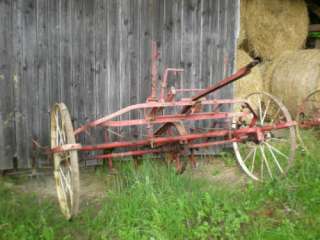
[[259, 128]]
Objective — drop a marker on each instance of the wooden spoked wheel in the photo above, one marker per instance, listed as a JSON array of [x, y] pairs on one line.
[[66, 167], [270, 157], [309, 111]]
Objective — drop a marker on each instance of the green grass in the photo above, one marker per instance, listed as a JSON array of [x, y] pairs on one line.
[[155, 203]]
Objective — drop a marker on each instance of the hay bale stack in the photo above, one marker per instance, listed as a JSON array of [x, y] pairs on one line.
[[266, 72], [275, 26], [252, 82], [293, 76]]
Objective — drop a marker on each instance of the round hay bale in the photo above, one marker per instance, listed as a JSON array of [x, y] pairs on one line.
[[249, 84], [275, 26], [293, 76], [242, 34], [266, 72]]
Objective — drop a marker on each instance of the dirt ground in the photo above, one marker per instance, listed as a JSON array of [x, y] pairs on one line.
[[93, 187], [218, 172], [94, 184]]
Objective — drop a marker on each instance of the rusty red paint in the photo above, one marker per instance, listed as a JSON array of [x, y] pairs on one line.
[[157, 141], [309, 123]]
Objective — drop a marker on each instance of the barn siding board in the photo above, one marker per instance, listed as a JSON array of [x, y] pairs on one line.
[[3, 164], [95, 57], [133, 46], [6, 87], [16, 64], [66, 51]]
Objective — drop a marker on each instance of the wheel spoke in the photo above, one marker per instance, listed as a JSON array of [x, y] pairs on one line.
[[60, 138], [65, 180], [63, 188], [253, 159], [261, 170], [70, 181], [265, 160], [279, 139], [275, 159], [275, 116], [265, 112], [277, 150], [249, 154], [66, 157], [260, 110]]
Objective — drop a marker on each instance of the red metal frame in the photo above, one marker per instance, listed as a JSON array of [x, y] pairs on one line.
[[310, 121], [192, 110]]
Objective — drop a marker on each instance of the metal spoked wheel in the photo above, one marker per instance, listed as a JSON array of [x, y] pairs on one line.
[[66, 168], [173, 158], [271, 157], [309, 111]]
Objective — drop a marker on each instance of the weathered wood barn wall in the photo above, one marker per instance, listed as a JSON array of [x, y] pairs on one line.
[[94, 55]]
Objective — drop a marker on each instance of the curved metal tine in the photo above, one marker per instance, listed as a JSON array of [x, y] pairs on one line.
[[266, 110], [253, 159], [275, 159], [265, 160], [277, 150]]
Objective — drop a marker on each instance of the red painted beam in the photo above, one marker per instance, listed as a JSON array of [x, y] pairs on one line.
[[166, 140], [174, 118]]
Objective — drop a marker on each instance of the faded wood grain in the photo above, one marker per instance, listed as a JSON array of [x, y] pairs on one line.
[[95, 57]]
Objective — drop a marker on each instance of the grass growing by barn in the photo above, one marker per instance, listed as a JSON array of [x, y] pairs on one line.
[[154, 203]]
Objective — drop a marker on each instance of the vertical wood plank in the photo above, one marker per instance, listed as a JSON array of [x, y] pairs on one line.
[[222, 49], [54, 52], [77, 61], [177, 44], [196, 45], [66, 44], [205, 42], [5, 163], [114, 23], [188, 9], [42, 74], [89, 62], [133, 58], [145, 49], [101, 57], [124, 28], [168, 36], [17, 71], [7, 128]]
